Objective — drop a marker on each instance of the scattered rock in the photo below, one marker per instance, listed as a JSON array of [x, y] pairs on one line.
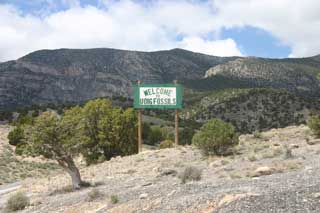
[[147, 184], [313, 141], [143, 196], [215, 163], [294, 146], [261, 171], [227, 199], [316, 195], [156, 169], [171, 193], [220, 162], [166, 172]]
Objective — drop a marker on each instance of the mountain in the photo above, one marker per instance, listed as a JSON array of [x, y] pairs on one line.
[[73, 76], [76, 75]]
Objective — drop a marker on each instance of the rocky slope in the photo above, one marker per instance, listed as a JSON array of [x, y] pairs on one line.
[[73, 76], [252, 109], [277, 172], [296, 75]]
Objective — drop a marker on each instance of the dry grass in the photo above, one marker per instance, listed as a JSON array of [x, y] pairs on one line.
[[17, 201], [13, 169], [94, 194], [190, 174], [288, 165], [114, 199], [236, 175], [252, 157], [62, 190]]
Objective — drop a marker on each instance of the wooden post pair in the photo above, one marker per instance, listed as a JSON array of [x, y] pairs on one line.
[[176, 118]]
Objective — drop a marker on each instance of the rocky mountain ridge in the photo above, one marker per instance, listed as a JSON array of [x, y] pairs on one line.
[[73, 76], [295, 75], [76, 75]]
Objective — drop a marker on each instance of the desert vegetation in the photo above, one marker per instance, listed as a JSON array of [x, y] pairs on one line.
[[17, 201], [251, 109], [215, 138], [314, 125], [97, 131]]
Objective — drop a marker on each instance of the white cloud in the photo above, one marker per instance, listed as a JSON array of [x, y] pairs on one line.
[[122, 24], [155, 25], [225, 47], [295, 23]]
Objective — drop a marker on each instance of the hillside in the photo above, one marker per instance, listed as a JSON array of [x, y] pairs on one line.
[[251, 109], [15, 168], [69, 76], [73, 76], [278, 171], [299, 76]]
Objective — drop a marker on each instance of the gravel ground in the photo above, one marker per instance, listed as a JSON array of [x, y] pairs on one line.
[[271, 181]]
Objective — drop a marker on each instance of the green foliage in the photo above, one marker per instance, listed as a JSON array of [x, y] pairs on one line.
[[23, 119], [314, 124], [146, 130], [94, 194], [5, 116], [114, 199], [155, 135], [16, 136], [166, 144], [97, 130], [48, 136], [318, 76], [167, 133], [17, 201], [185, 136], [215, 137], [190, 174], [104, 131]]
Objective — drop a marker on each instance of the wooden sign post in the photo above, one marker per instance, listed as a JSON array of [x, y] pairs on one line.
[[157, 96], [139, 127], [176, 123]]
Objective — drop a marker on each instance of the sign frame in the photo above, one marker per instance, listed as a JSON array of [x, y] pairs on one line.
[[179, 96]]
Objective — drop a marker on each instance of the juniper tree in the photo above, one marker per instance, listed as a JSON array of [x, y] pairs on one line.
[[51, 137]]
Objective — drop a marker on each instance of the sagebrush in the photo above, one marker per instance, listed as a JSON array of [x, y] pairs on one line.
[[166, 144], [314, 124], [190, 174], [216, 137], [17, 201]]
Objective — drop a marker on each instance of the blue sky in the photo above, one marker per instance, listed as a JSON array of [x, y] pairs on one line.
[[273, 28], [257, 42]]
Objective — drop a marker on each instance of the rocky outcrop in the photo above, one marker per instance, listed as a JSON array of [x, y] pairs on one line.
[[296, 75]]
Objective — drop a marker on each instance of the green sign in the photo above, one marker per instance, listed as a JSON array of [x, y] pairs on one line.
[[158, 96]]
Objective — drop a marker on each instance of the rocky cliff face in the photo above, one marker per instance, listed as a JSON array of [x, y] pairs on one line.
[[73, 76]]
